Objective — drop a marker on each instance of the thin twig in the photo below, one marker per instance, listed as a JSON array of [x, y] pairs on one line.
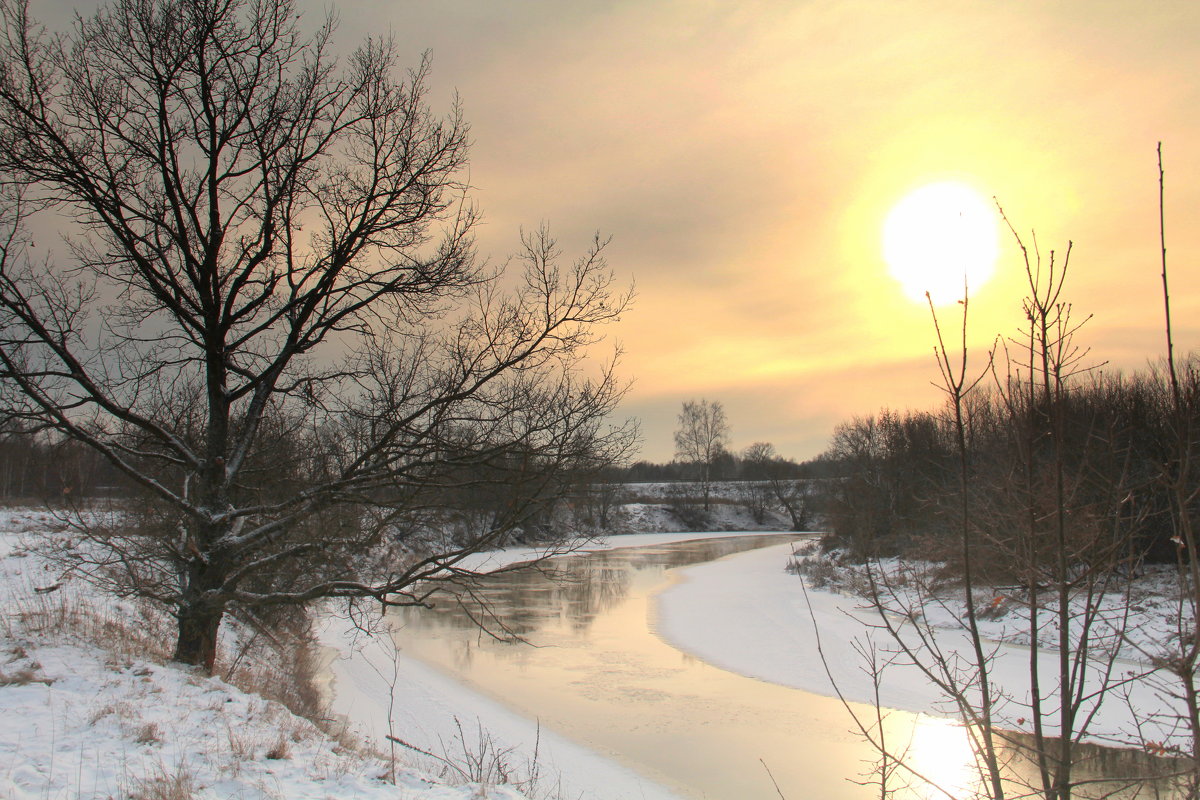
[[773, 781]]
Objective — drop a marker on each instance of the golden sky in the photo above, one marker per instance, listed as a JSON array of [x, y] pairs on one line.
[[743, 157]]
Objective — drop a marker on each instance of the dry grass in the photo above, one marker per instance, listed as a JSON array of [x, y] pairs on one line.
[[122, 710], [164, 784], [24, 676], [282, 749], [277, 661], [61, 615], [148, 733], [477, 757], [282, 667], [241, 746]]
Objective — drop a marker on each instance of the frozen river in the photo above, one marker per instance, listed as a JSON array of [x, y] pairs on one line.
[[595, 670]]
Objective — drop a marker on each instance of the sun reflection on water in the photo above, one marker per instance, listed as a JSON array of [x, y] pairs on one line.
[[942, 755]]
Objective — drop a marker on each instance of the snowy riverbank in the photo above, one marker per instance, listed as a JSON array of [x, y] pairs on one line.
[[89, 723], [108, 719], [746, 614], [111, 720]]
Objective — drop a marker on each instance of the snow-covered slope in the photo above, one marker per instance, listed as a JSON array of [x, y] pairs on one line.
[[91, 709], [79, 723], [112, 721]]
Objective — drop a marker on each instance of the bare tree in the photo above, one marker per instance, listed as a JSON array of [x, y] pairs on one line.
[[773, 483], [958, 385], [754, 491], [271, 317], [701, 438]]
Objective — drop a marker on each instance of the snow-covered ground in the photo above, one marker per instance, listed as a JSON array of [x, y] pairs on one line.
[[746, 614], [84, 721], [80, 724]]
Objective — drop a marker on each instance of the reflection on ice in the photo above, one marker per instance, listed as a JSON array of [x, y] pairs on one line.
[[942, 756]]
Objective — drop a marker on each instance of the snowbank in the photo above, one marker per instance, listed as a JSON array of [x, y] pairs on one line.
[[80, 724], [746, 614]]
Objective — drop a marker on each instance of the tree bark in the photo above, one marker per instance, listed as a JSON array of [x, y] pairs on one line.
[[199, 614], [197, 638]]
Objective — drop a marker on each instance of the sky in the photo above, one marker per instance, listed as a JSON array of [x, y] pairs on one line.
[[744, 156]]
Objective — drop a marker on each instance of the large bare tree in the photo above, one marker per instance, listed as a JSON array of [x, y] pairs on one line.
[[269, 315]]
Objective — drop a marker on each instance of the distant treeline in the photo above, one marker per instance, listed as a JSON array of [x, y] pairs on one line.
[[38, 466], [41, 466], [726, 467], [1114, 440]]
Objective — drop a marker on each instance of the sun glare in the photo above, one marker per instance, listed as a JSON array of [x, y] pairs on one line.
[[941, 752], [938, 236]]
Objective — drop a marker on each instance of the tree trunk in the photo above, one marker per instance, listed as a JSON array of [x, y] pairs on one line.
[[199, 614], [197, 639]]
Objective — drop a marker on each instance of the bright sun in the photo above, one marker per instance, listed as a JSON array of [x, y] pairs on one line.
[[937, 236]]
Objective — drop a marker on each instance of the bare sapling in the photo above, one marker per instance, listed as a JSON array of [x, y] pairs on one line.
[[957, 385], [1178, 474], [902, 595], [894, 770], [1070, 537]]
